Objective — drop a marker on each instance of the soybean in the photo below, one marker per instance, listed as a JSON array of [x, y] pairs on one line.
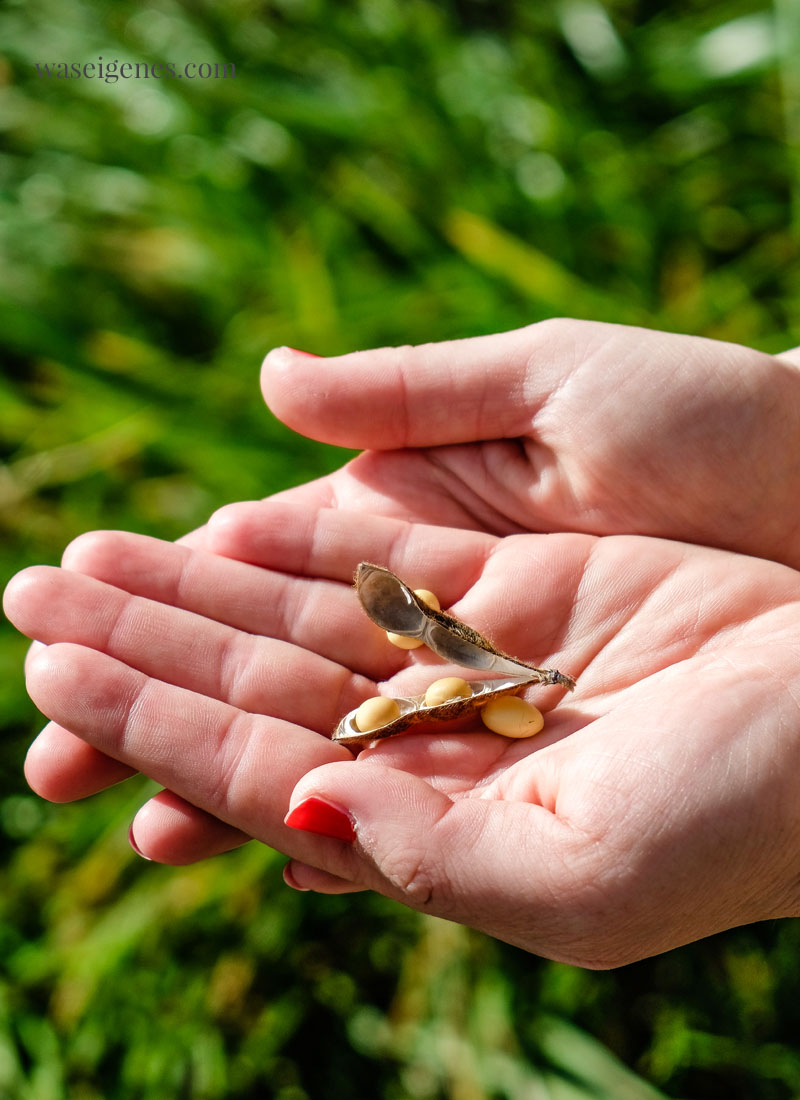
[[413, 709], [403, 642], [449, 687], [512, 717], [428, 598], [376, 712]]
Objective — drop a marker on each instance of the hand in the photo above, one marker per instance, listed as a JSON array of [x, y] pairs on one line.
[[658, 806], [587, 483], [63, 768], [561, 426]]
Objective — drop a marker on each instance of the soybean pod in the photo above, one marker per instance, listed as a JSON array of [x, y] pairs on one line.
[[413, 618], [395, 607]]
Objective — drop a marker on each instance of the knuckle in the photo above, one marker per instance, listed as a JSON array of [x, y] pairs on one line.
[[234, 662], [407, 871], [555, 328], [567, 336], [416, 870], [230, 774]]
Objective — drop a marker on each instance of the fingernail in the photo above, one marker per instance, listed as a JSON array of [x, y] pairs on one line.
[[309, 354], [315, 815], [135, 846]]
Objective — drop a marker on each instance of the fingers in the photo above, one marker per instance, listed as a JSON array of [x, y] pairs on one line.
[[239, 767], [188, 650], [518, 590], [192, 647], [33, 649], [62, 768], [168, 829], [513, 870], [465, 391], [301, 876], [60, 605], [317, 616], [329, 543], [454, 392]]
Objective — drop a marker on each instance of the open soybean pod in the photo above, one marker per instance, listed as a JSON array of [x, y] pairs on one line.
[[391, 604], [414, 710]]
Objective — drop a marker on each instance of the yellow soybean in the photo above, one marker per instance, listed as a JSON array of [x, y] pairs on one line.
[[402, 642], [428, 598], [512, 717], [375, 712], [449, 687]]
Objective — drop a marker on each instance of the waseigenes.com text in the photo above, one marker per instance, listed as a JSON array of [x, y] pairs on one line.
[[112, 71]]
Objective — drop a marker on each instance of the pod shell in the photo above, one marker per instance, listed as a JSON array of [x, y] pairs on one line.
[[395, 607], [413, 710]]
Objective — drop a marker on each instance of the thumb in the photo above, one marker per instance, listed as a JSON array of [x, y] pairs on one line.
[[510, 869], [458, 391]]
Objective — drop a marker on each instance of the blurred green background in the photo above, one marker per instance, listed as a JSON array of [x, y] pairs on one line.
[[388, 171]]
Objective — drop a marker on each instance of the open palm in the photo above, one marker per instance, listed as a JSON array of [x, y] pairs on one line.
[[658, 805]]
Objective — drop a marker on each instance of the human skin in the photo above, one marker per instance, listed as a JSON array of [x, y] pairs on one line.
[[561, 426], [658, 806], [611, 429]]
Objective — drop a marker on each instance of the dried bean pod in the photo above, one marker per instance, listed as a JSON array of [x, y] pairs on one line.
[[414, 710], [395, 607]]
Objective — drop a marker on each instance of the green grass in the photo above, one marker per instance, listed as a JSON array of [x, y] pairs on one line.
[[388, 171]]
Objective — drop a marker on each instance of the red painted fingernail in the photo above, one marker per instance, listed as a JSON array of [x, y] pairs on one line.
[[315, 815], [135, 846], [310, 354]]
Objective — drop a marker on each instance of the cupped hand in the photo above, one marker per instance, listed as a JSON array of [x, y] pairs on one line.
[[561, 426], [564, 424], [657, 807]]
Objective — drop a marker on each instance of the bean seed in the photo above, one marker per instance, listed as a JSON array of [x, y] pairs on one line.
[[376, 712], [428, 598], [450, 687], [414, 709], [512, 717], [402, 642]]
